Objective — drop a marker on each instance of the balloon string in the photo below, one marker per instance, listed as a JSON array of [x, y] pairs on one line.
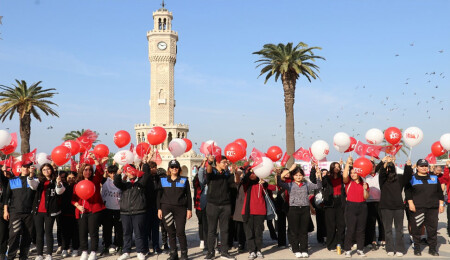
[[410, 150], [84, 201]]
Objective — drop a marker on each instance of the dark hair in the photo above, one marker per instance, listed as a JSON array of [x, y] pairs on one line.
[[80, 176], [297, 169], [161, 171], [113, 169], [169, 173], [221, 158], [333, 165], [41, 176], [152, 164], [350, 168], [391, 172]]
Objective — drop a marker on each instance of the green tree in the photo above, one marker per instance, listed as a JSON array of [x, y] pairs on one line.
[[290, 63], [73, 135], [26, 102]]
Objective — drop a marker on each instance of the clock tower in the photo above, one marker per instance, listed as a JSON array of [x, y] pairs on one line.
[[162, 54]]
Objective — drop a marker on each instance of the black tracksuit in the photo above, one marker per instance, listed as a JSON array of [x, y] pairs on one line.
[[174, 199], [425, 192], [70, 231], [152, 229], [3, 223], [19, 198]]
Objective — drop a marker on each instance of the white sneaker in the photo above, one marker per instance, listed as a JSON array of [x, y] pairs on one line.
[[305, 255], [354, 247], [124, 256], [348, 254], [202, 244], [64, 253], [48, 257], [59, 250], [251, 256], [259, 255], [74, 253], [298, 255], [140, 256], [112, 249], [92, 256], [399, 254], [390, 253], [84, 255], [360, 253], [39, 257]]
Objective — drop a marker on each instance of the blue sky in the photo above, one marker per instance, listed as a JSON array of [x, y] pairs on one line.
[[95, 54]]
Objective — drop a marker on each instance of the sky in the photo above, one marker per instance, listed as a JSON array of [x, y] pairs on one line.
[[387, 64]]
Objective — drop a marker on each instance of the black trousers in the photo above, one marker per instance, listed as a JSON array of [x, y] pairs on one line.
[[88, 223], [254, 228], [152, 229], [134, 224], [321, 226], [174, 219], [240, 232], [4, 233], [396, 216], [202, 225], [298, 220], [20, 232], [218, 214], [111, 219], [281, 228], [429, 218], [335, 224], [448, 219], [373, 217], [163, 233], [59, 230], [44, 225], [70, 233], [355, 220]]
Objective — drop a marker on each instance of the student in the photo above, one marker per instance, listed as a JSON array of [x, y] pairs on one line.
[[46, 206], [111, 195], [198, 190], [88, 212], [70, 232], [202, 201], [218, 206], [174, 207], [4, 179], [391, 203], [153, 222], [299, 207], [425, 200], [17, 207], [318, 207], [355, 209], [445, 184]]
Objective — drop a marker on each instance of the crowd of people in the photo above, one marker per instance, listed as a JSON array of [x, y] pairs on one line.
[[231, 204]]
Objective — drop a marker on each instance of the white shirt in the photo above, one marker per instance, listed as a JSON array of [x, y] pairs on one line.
[[374, 187], [111, 195]]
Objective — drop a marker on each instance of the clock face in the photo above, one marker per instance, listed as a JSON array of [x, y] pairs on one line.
[[162, 45]]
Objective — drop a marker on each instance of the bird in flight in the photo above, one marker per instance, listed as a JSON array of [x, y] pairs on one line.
[[441, 51]]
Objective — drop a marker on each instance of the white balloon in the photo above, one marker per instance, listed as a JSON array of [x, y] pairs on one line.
[[124, 157], [41, 158], [341, 141], [177, 147], [264, 169], [445, 141], [209, 142], [5, 138], [374, 136], [137, 159], [412, 136], [320, 149]]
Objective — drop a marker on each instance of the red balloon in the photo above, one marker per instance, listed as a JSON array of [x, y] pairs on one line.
[[142, 149], [122, 138], [83, 148], [61, 155], [393, 135], [74, 146], [156, 135], [188, 144], [362, 166], [234, 152], [85, 189], [437, 149], [101, 151], [274, 153], [17, 168], [352, 145], [242, 142]]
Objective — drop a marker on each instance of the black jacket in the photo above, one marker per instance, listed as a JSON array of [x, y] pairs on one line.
[[391, 191], [67, 208], [424, 191], [3, 187], [52, 196], [219, 187], [133, 198], [19, 196], [174, 192], [327, 189]]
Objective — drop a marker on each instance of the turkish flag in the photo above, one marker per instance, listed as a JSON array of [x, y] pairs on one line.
[[285, 159], [431, 158], [214, 150], [73, 165], [360, 148], [156, 157], [131, 147], [85, 158], [303, 155], [373, 150], [87, 139], [8, 162], [130, 169], [29, 157], [256, 156], [392, 149]]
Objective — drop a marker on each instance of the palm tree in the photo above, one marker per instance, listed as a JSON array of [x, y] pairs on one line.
[[289, 63], [73, 135], [26, 101]]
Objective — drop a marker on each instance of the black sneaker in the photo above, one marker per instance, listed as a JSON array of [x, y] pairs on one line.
[[104, 252], [417, 252], [227, 256], [424, 241], [433, 252], [241, 248], [374, 247], [210, 256], [157, 250]]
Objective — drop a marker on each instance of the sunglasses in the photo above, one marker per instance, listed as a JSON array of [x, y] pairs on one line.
[[174, 167]]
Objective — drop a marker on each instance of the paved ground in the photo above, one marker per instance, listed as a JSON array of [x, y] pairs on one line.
[[316, 251]]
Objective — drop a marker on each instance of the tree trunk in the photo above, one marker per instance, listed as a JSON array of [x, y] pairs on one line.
[[25, 131], [289, 99]]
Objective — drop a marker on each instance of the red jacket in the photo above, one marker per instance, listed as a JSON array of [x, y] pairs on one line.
[[445, 179], [95, 203], [257, 200]]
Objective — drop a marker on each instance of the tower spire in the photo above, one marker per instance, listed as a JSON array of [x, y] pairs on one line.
[[163, 5]]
